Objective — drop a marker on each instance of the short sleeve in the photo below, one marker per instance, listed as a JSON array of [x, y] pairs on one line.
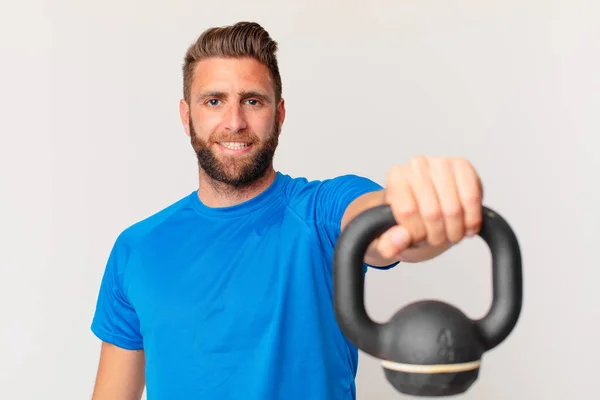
[[115, 320], [333, 197]]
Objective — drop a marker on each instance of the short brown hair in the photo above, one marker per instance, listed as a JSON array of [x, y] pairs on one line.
[[243, 39]]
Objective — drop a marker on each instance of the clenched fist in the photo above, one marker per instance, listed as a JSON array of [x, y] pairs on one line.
[[436, 202]]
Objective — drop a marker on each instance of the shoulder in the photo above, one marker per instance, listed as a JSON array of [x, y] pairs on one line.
[[298, 188], [326, 198], [139, 230]]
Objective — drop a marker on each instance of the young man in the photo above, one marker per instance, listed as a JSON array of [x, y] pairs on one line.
[[227, 293]]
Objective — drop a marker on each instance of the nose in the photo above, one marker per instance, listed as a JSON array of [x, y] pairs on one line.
[[234, 119]]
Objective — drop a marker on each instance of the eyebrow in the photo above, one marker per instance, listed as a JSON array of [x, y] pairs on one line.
[[244, 94]]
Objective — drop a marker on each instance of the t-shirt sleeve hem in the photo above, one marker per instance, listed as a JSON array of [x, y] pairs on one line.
[[116, 340], [383, 267]]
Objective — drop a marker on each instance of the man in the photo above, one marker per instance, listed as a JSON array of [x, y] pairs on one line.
[[227, 293]]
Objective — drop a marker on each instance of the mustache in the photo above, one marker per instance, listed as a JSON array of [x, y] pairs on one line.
[[238, 137]]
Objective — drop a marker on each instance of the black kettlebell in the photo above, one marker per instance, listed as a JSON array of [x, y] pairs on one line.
[[428, 348]]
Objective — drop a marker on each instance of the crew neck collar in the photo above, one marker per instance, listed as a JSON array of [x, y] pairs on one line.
[[261, 200]]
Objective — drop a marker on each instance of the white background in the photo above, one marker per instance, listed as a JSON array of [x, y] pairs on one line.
[[91, 142]]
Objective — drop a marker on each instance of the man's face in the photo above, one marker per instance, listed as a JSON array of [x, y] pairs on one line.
[[233, 120]]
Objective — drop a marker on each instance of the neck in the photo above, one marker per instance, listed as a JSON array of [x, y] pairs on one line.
[[217, 194]]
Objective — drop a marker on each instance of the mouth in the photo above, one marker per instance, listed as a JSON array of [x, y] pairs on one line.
[[234, 145], [234, 148]]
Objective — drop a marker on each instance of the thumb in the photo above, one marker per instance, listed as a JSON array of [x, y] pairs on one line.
[[394, 241], [400, 238]]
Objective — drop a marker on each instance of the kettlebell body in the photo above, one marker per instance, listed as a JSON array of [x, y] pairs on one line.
[[436, 349], [428, 348]]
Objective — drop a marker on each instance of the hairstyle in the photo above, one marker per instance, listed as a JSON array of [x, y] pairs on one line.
[[243, 39]]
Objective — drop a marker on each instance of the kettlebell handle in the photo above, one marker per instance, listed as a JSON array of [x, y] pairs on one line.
[[348, 278]]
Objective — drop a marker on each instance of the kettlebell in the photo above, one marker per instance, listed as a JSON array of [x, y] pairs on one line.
[[428, 348]]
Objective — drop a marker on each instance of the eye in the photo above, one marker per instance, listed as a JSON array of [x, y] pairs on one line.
[[213, 102], [253, 102]]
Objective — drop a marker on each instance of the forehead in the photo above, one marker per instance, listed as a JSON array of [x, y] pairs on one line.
[[231, 74]]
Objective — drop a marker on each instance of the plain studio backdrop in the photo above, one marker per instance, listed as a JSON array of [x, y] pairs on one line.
[[92, 142]]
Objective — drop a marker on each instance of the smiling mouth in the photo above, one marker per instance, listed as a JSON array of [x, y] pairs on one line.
[[234, 145]]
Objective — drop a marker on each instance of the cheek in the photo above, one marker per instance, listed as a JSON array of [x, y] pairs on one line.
[[264, 124], [204, 126]]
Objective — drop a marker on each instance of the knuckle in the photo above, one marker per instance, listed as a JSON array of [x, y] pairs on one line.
[[405, 210], [455, 237], [453, 212], [440, 163], [455, 234], [437, 235], [473, 224], [395, 173], [461, 162], [419, 235], [432, 215], [418, 161], [437, 240], [473, 198]]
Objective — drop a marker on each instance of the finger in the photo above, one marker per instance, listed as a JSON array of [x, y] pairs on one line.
[[470, 194], [393, 242], [404, 205], [444, 181], [427, 199]]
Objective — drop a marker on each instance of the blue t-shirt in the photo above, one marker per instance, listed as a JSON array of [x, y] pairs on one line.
[[236, 302]]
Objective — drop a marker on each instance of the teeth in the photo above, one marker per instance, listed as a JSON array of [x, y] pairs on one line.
[[234, 145]]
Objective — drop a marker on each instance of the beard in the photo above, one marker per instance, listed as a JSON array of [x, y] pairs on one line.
[[236, 172]]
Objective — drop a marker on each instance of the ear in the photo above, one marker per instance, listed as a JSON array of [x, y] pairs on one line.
[[184, 114], [281, 112]]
